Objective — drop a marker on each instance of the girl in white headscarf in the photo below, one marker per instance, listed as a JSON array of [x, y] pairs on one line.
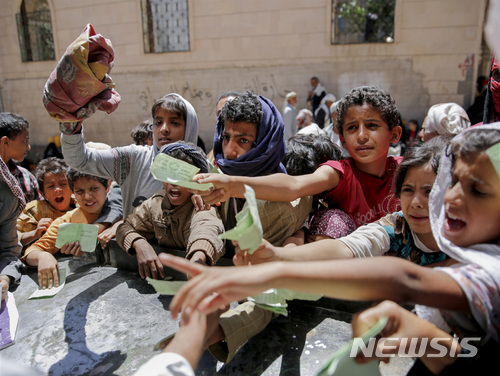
[[465, 219], [446, 119]]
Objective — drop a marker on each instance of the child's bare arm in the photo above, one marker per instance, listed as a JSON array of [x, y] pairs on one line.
[[328, 249], [275, 187], [361, 279], [48, 272]]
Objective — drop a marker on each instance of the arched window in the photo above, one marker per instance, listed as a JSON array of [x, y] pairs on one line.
[[34, 28], [362, 21], [165, 25]]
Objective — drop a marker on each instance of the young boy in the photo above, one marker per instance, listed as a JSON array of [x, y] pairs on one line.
[[39, 214], [368, 121], [170, 216], [130, 166], [14, 144], [249, 142], [360, 186], [142, 134], [90, 193]]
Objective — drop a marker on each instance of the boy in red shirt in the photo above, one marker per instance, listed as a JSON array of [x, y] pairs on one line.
[[361, 186]]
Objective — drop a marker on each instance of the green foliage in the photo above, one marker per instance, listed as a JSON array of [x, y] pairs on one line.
[[372, 18]]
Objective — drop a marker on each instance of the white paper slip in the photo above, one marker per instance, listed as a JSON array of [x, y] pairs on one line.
[[49, 293]]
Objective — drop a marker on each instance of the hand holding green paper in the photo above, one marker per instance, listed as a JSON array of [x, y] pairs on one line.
[[248, 231], [342, 363], [174, 171]]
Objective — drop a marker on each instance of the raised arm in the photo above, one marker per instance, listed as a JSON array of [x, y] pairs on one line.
[[275, 187], [361, 279], [88, 160]]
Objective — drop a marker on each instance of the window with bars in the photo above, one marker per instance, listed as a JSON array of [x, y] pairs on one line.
[[165, 25], [362, 21], [34, 29]]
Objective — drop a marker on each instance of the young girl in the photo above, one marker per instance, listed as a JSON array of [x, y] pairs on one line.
[[465, 218], [406, 234]]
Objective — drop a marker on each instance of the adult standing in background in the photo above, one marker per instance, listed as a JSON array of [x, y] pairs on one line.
[[317, 93], [322, 114], [290, 115]]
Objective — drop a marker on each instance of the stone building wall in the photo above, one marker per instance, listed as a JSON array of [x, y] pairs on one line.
[[270, 47]]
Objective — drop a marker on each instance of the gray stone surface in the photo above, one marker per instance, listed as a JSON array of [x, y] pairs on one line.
[[106, 320]]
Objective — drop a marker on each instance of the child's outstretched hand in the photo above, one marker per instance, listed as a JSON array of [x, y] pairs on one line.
[[265, 253], [402, 326], [212, 288], [149, 264], [106, 235], [199, 204], [48, 271], [219, 193], [72, 248]]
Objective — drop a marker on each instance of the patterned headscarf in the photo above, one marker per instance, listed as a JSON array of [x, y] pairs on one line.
[[267, 152]]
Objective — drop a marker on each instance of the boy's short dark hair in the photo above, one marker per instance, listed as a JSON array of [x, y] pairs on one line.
[[306, 152], [54, 165], [420, 155], [171, 103], [74, 175], [142, 132], [375, 97], [12, 124], [244, 107], [227, 94]]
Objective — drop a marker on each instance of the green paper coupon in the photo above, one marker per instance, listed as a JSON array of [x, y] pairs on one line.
[[248, 229], [165, 287], [341, 363], [83, 233], [174, 171]]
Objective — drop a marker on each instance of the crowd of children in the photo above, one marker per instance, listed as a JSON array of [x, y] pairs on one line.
[[325, 219]]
